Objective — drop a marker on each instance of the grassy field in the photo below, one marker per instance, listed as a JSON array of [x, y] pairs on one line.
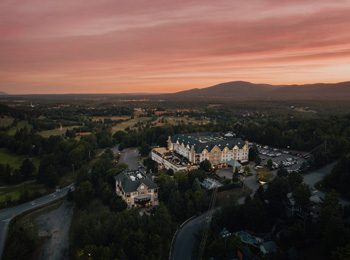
[[15, 191], [20, 125], [14, 160], [57, 131], [177, 120], [129, 123], [97, 118], [6, 121]]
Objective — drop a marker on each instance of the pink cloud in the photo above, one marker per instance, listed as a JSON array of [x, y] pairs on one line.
[[153, 46]]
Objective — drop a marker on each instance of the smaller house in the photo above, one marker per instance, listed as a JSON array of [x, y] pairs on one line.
[[292, 208], [268, 248], [136, 189]]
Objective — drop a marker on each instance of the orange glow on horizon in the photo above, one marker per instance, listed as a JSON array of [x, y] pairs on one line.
[[154, 46]]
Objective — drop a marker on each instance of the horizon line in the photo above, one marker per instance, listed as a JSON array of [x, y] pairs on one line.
[[164, 93]]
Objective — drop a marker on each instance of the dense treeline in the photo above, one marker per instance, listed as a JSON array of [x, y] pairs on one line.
[[124, 235], [339, 177], [183, 195], [99, 181]]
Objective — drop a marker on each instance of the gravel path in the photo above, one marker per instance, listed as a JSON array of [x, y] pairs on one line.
[[56, 223]]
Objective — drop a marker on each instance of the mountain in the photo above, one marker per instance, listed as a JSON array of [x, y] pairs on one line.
[[317, 91], [3, 93], [237, 89], [247, 90]]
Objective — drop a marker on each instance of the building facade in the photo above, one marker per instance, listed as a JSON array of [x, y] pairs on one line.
[[136, 189], [197, 147], [167, 160]]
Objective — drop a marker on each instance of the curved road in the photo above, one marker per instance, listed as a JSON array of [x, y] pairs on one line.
[[184, 240], [7, 214], [129, 156]]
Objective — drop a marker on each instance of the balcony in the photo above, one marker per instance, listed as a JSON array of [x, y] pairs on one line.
[[143, 201]]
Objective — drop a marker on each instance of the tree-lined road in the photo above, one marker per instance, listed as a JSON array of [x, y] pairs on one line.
[[7, 214]]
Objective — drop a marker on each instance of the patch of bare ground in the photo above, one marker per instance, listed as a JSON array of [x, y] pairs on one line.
[[31, 234], [54, 226], [227, 196]]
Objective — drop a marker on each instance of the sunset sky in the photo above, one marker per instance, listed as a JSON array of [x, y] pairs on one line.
[[120, 46]]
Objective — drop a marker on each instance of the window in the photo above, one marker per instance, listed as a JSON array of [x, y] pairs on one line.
[[149, 191], [135, 193], [128, 195], [128, 200], [142, 193]]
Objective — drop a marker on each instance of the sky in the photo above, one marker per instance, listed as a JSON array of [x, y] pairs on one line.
[[162, 46]]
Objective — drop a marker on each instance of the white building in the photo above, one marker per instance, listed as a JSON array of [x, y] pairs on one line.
[[197, 147], [167, 160]]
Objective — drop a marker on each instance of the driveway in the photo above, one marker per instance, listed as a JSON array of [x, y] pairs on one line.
[[130, 157]]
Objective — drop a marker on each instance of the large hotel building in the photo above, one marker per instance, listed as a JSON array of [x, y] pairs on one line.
[[221, 151]]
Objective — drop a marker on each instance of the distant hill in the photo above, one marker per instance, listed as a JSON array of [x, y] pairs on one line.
[[318, 91], [3, 93], [247, 90], [239, 89]]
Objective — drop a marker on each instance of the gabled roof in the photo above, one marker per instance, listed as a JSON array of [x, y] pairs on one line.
[[233, 163], [130, 185], [207, 140]]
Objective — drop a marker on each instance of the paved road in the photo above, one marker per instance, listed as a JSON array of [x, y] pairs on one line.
[[317, 175], [184, 241], [115, 149], [7, 214], [130, 157], [313, 177]]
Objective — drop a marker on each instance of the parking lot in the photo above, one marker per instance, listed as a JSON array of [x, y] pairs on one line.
[[290, 160]]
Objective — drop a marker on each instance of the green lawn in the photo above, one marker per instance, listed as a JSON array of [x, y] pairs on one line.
[[15, 161], [6, 121], [15, 191], [57, 131], [129, 123], [97, 118], [12, 159], [20, 125], [177, 120]]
